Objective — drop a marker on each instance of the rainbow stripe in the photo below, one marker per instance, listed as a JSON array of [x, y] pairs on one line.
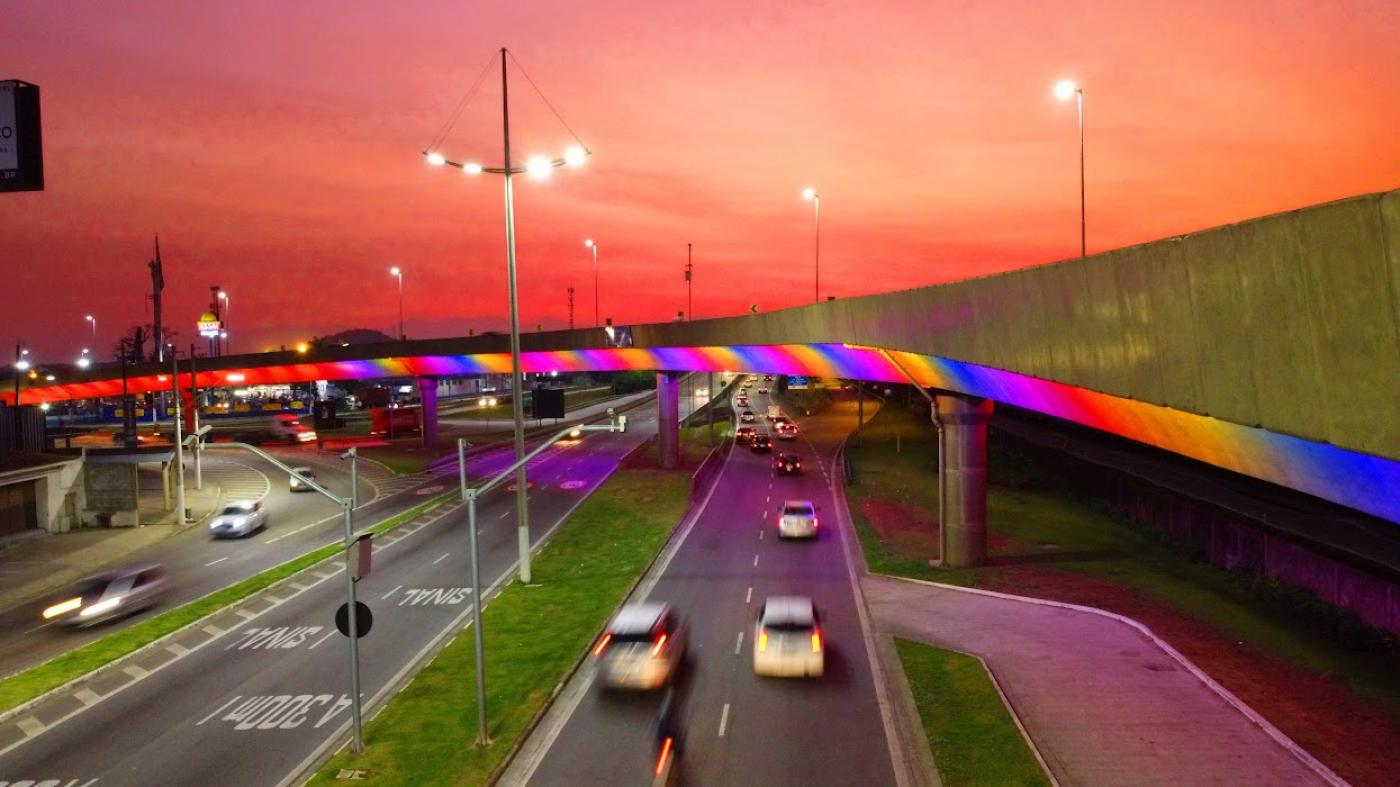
[[1361, 481]]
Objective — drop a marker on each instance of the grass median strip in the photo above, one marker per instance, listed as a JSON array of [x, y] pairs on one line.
[[35, 681], [533, 635], [972, 735]]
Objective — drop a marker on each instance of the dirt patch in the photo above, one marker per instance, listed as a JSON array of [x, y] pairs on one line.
[[1350, 735], [905, 529]]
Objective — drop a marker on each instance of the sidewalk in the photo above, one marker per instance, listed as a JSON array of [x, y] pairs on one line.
[[1104, 702]]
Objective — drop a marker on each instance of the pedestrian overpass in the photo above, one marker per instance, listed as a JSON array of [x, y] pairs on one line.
[[1270, 347]]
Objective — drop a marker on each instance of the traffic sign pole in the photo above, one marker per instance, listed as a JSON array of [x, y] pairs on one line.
[[357, 743]]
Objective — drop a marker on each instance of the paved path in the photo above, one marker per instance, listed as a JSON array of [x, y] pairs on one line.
[[1103, 701]]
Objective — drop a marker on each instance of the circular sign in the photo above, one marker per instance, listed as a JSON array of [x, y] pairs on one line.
[[431, 489], [571, 485], [364, 621]]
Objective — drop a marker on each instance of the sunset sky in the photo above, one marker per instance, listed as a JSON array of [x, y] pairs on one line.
[[275, 148]]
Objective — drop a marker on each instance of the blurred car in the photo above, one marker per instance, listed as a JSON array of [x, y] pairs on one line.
[[239, 519], [767, 378], [574, 435], [779, 420], [788, 638], [744, 435], [741, 400], [761, 444], [787, 464], [110, 595], [763, 390], [798, 520], [787, 431], [642, 647], [296, 482], [747, 417]]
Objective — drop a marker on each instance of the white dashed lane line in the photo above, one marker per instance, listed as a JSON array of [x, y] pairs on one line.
[[212, 562], [390, 593], [323, 639], [723, 719], [748, 597], [755, 561], [739, 644], [441, 558]]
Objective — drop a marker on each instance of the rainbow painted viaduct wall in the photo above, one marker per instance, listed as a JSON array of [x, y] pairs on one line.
[[1269, 347]]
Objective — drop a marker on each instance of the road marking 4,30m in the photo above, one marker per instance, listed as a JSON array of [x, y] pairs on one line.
[[278, 711]]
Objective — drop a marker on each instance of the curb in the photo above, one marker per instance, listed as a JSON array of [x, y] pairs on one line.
[[1298, 752]]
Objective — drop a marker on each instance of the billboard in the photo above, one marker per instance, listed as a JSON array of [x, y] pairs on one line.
[[21, 148], [796, 381]]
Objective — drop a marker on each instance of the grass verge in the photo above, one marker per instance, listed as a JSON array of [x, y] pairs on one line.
[[972, 735], [423, 736], [1035, 525], [35, 681]]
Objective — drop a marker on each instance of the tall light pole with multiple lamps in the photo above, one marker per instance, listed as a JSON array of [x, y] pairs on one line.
[[397, 273], [538, 168], [1066, 89], [223, 317], [810, 193], [591, 245]]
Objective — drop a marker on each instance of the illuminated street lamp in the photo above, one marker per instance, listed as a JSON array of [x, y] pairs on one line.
[[83, 360], [538, 168], [92, 320], [810, 193], [223, 333], [591, 245], [397, 273], [1066, 89]]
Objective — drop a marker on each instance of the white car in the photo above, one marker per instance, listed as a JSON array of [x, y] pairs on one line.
[[239, 519], [787, 639], [296, 482], [787, 431], [798, 520], [642, 648]]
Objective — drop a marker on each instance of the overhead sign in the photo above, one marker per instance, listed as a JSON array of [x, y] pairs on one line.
[[797, 382], [21, 140], [209, 325]]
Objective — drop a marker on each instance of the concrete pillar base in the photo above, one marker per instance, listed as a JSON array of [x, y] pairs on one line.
[[964, 420], [668, 422]]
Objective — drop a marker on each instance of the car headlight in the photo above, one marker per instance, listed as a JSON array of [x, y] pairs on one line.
[[240, 521], [62, 607], [102, 606]]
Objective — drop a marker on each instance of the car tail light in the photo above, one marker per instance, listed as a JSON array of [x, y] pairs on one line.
[[816, 640], [814, 521], [660, 643], [602, 643], [762, 640], [665, 753]]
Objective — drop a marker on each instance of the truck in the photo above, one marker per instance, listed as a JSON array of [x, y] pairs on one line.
[[773, 412], [392, 421]]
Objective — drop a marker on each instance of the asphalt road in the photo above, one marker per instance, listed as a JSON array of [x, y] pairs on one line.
[[740, 729], [255, 703]]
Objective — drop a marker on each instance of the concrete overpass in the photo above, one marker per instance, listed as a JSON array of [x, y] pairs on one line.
[[1270, 347]]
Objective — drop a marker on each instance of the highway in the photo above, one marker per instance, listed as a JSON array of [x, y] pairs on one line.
[[253, 704], [740, 729]]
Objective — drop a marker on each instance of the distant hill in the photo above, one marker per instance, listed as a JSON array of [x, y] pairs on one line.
[[356, 336]]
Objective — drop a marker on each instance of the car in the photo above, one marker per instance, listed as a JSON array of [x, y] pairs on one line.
[[110, 595], [787, 464], [787, 638], [779, 420], [747, 417], [744, 435], [642, 647], [787, 431], [763, 390], [296, 482], [239, 519], [798, 520], [574, 435], [742, 401], [767, 378], [761, 444]]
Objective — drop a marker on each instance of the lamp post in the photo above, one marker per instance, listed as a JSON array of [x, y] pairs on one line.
[[537, 167], [93, 320], [21, 365], [1066, 89], [590, 244], [83, 360], [397, 273], [223, 332], [689, 285], [810, 193]]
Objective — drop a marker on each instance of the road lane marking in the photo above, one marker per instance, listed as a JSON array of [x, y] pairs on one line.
[[755, 561], [723, 719], [212, 562], [213, 631], [30, 726], [760, 534], [748, 597], [442, 558], [322, 639], [134, 671], [390, 593], [232, 700], [177, 649], [739, 644], [86, 696]]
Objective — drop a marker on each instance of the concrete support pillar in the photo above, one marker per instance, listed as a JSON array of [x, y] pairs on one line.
[[964, 481], [427, 395], [668, 422]]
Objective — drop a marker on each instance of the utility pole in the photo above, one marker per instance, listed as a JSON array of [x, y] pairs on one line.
[[157, 285], [214, 347], [689, 285], [571, 308]]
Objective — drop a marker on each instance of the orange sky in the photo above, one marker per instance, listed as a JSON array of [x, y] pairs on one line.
[[274, 146]]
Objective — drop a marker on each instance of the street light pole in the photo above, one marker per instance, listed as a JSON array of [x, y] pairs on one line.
[[92, 320], [811, 194], [223, 332], [1066, 89], [517, 382], [397, 273], [469, 497], [594, 246], [689, 285], [179, 442]]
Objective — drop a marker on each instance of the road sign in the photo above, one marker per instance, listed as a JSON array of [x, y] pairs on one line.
[[364, 621], [21, 143], [360, 553]]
